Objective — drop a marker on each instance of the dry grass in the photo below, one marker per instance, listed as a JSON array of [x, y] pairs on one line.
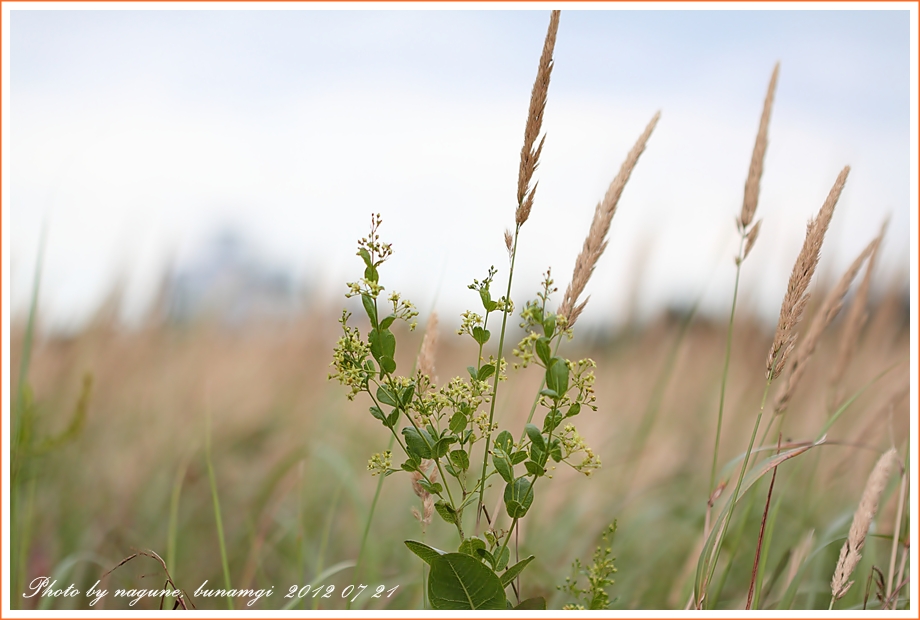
[[596, 241], [271, 404], [796, 296], [850, 553]]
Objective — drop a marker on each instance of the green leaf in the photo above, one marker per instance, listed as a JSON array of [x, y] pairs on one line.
[[518, 497], [502, 464], [509, 575], [481, 335], [379, 414], [485, 372], [537, 602], [543, 352], [505, 441], [428, 554], [549, 325], [555, 449], [370, 274], [442, 447], [457, 422], [418, 442], [370, 308], [471, 544], [388, 364], [458, 581], [487, 556], [405, 396], [410, 465], [550, 393], [535, 435], [537, 455], [573, 410], [552, 420], [460, 459], [486, 298], [473, 372], [386, 322], [557, 376], [383, 345], [534, 469], [502, 560], [386, 396], [366, 257], [393, 418], [447, 513], [434, 488], [518, 457]]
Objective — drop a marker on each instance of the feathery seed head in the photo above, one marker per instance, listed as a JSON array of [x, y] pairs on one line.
[[865, 512], [530, 156], [752, 185], [596, 241], [796, 298]]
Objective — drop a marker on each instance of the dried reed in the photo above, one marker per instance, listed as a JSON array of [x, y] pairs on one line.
[[855, 320], [796, 297], [530, 157], [596, 241], [865, 512], [826, 314], [429, 346], [752, 185]]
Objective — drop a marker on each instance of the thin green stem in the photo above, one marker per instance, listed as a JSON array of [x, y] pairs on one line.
[[734, 498], [220, 526], [728, 353], [498, 372], [367, 526]]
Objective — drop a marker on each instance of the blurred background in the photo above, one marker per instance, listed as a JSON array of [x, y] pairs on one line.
[[177, 144], [186, 192]]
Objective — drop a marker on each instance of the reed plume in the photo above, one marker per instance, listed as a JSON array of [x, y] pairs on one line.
[[424, 516], [429, 346], [530, 156], [855, 320], [865, 512], [796, 296], [826, 314], [596, 241], [755, 172]]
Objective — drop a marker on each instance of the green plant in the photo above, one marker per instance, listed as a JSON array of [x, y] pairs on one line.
[[599, 575], [440, 430]]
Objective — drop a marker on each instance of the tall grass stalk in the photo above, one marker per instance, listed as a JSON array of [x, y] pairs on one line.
[[212, 479], [172, 530], [498, 372], [728, 355]]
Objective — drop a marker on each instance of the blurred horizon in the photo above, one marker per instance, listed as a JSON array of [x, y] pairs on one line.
[[141, 138]]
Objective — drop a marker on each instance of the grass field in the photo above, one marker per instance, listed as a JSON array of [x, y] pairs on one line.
[[195, 457], [289, 455]]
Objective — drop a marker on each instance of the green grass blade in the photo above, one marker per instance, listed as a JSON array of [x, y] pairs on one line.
[[217, 517]]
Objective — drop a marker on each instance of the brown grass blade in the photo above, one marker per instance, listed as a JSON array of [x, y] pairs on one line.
[[596, 241], [855, 320], [796, 297], [530, 156], [826, 314], [755, 172], [865, 512]]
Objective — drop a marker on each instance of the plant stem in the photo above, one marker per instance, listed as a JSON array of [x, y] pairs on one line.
[[498, 372], [734, 498], [367, 525], [220, 526], [728, 353]]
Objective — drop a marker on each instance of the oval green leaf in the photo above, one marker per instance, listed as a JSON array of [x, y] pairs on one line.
[[458, 581]]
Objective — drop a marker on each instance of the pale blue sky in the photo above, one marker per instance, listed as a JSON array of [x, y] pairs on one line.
[[136, 133]]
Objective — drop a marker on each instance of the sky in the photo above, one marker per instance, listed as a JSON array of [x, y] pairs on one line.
[[135, 135]]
